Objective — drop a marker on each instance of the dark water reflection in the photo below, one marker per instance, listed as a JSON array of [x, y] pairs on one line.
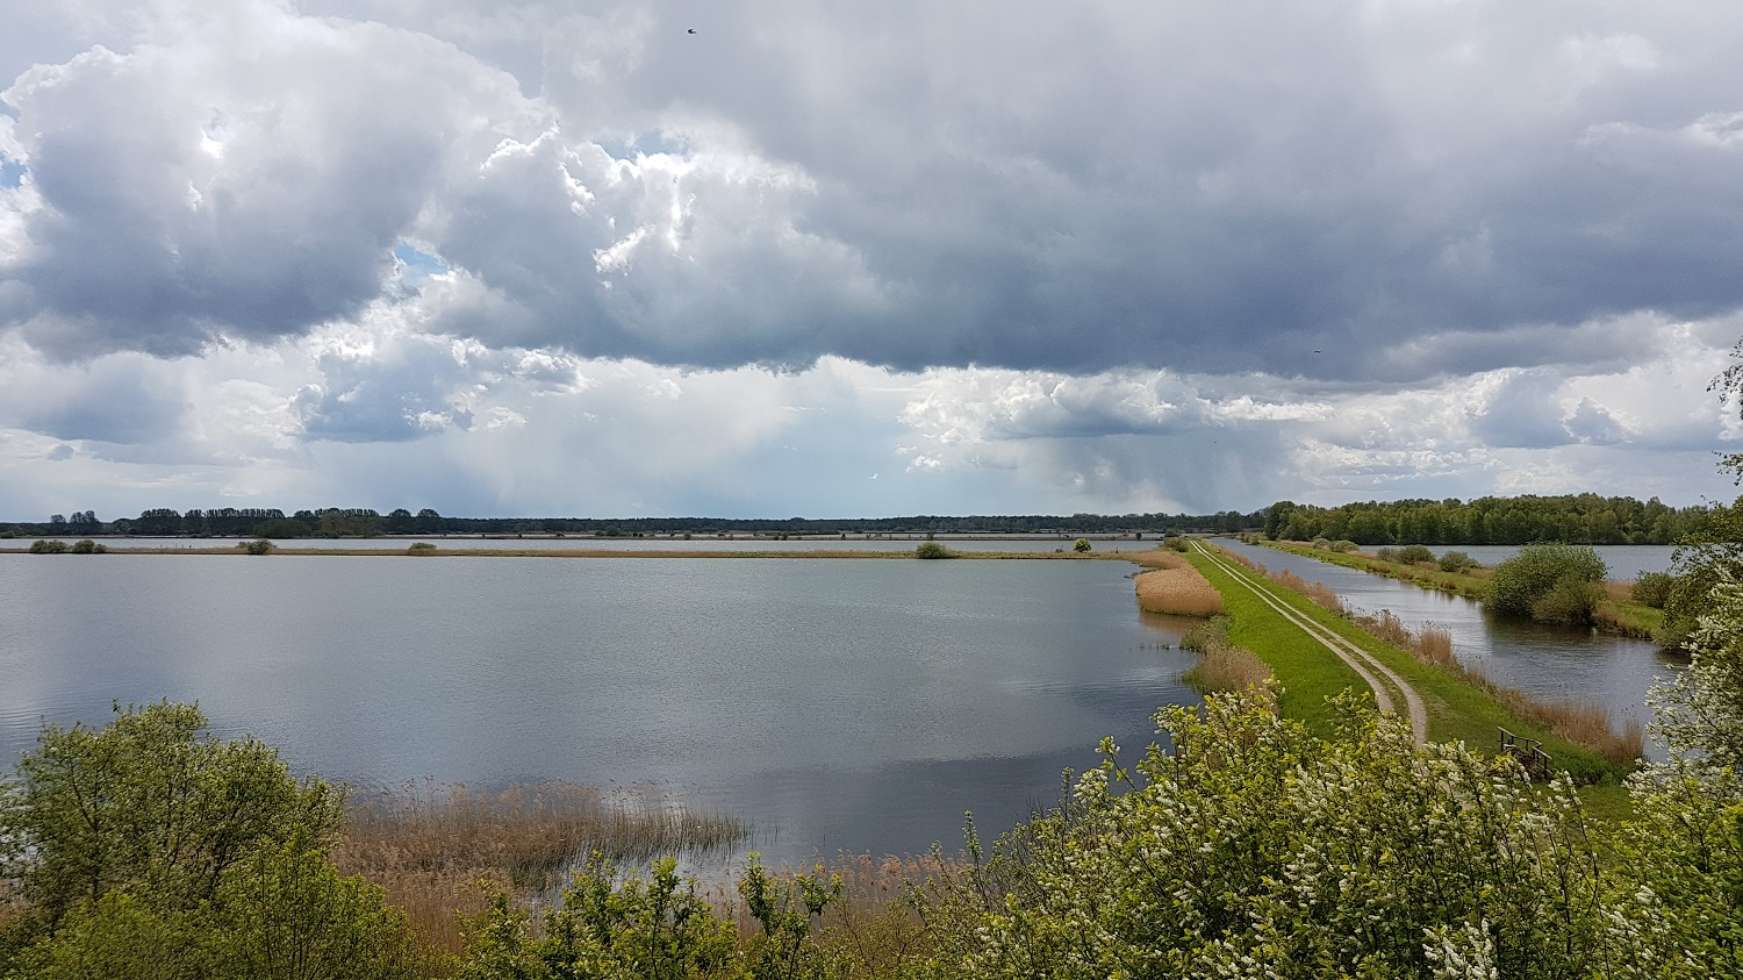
[[837, 705], [1550, 662]]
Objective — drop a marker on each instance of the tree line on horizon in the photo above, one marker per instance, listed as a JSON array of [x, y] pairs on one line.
[[1585, 518], [1571, 518]]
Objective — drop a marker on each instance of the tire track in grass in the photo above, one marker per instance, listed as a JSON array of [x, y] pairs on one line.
[[1363, 663]]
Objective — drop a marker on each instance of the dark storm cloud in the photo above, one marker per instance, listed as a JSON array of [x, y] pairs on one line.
[[1411, 189]]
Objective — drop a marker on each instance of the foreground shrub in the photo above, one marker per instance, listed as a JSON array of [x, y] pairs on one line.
[[1457, 562], [147, 849], [1257, 850], [49, 547], [1520, 583], [932, 549], [1653, 589]]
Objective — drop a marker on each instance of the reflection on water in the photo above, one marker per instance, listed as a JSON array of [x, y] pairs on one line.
[[1549, 662], [835, 705], [698, 543]]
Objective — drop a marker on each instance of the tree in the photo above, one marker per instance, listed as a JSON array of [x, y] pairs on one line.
[[57, 519]]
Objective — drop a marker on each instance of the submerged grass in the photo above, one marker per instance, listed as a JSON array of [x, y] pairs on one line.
[[439, 850]]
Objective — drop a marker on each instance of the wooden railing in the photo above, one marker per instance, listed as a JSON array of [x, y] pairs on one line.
[[1529, 752]]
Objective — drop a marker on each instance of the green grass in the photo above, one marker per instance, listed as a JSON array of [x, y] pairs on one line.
[[1613, 615], [1310, 673]]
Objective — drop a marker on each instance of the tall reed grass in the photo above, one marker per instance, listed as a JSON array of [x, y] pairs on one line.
[[440, 850], [1222, 666], [1178, 591]]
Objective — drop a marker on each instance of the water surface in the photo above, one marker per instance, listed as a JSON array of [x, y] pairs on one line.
[[1551, 662], [837, 705]]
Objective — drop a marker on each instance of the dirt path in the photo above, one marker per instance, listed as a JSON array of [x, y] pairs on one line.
[[1361, 661]]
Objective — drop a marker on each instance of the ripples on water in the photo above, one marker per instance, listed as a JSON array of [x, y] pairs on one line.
[[855, 706]]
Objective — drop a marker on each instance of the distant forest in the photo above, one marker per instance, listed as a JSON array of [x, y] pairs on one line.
[[1576, 519], [346, 522]]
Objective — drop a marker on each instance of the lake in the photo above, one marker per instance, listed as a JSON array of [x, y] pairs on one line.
[[842, 705], [1554, 663], [698, 543]]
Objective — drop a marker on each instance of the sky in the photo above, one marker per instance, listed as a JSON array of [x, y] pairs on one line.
[[825, 259]]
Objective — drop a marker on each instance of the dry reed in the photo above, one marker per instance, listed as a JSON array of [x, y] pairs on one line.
[[1226, 667], [1322, 595], [439, 851], [1179, 591], [1584, 723]]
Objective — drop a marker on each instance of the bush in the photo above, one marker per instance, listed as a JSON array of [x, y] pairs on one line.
[[1081, 546], [421, 548], [932, 549], [1343, 547], [49, 547], [1653, 588], [1176, 542], [1322, 544], [1457, 562], [1386, 554], [89, 547], [1568, 601], [1520, 581], [1410, 554], [259, 546]]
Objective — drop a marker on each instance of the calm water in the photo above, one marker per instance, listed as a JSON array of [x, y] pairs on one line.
[[837, 705], [699, 543], [1550, 662]]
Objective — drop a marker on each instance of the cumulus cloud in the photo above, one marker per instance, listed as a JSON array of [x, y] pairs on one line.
[[1414, 190]]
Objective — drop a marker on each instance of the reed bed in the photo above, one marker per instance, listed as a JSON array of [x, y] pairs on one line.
[[1322, 595], [1177, 591], [1222, 666], [439, 851]]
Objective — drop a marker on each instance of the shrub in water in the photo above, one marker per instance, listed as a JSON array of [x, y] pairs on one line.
[[1410, 554], [89, 547], [1081, 545], [49, 547], [1653, 588], [1568, 601], [257, 547], [1521, 581], [932, 549], [421, 548], [1457, 561]]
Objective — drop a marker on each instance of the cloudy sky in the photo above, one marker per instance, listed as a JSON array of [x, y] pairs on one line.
[[839, 258]]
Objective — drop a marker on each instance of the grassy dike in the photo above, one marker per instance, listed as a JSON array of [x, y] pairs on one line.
[[1620, 616], [824, 553], [1309, 674]]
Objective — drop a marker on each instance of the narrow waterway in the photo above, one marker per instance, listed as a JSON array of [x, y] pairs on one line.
[[1549, 662]]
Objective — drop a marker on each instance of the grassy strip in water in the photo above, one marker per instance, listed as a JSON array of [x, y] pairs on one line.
[[1458, 708], [1616, 613]]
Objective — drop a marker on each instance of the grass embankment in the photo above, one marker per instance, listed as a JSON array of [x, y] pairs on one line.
[[1309, 674], [438, 851], [1173, 587], [1616, 612]]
